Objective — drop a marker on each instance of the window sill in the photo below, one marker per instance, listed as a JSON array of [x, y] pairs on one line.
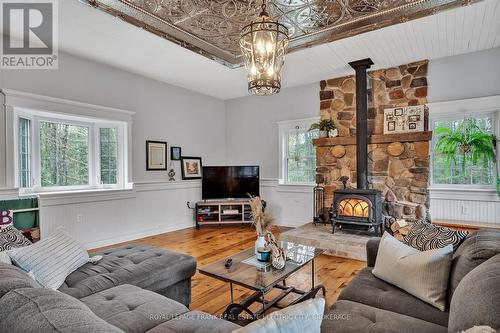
[[80, 196], [86, 191], [295, 187]]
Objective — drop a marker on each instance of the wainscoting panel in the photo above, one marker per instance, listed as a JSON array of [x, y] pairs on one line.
[[118, 216], [470, 206]]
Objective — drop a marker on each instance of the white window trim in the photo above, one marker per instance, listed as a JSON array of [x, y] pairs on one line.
[[284, 129], [27, 105], [474, 107]]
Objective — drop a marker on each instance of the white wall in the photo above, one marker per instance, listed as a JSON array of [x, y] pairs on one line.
[[465, 76], [183, 118], [252, 131]]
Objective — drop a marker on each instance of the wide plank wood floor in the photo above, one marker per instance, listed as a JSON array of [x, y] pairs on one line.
[[213, 243]]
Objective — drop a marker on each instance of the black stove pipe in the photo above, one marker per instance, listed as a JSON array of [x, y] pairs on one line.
[[361, 67]]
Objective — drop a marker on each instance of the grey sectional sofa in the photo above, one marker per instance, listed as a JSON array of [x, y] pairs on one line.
[[369, 304], [135, 288]]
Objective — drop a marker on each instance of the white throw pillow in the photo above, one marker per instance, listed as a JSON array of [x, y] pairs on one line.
[[423, 274], [52, 259], [300, 318]]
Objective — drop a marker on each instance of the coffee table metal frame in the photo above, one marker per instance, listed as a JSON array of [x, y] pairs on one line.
[[234, 310]]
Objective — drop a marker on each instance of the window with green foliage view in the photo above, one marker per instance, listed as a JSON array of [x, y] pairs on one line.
[[108, 139], [301, 156], [64, 154], [454, 175], [69, 153]]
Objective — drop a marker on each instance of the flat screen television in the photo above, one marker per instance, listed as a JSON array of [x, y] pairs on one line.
[[230, 182]]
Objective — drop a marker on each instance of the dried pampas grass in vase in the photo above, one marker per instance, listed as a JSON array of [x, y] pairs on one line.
[[262, 221]]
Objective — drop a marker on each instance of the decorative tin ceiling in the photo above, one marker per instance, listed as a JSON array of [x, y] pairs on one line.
[[212, 27]]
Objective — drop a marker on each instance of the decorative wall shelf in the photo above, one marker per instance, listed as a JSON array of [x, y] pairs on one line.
[[374, 139]]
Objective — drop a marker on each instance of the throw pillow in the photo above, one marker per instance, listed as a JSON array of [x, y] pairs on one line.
[[303, 317], [421, 274], [425, 236], [4, 258], [52, 259], [11, 238]]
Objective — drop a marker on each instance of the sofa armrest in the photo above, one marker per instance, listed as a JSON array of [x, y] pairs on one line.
[[371, 250]]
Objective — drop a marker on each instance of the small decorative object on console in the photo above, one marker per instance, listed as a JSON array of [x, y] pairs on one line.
[[229, 263]]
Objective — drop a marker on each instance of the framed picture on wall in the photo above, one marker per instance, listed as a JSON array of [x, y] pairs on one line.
[[175, 153], [156, 155], [191, 167]]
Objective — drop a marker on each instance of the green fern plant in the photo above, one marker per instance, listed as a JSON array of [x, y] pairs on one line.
[[474, 144]]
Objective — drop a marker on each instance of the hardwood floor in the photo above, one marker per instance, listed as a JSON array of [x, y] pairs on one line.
[[212, 243]]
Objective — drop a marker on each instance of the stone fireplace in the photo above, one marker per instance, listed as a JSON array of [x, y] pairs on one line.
[[397, 164]]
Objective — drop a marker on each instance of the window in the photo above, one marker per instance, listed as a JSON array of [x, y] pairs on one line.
[[298, 155], [24, 152], [64, 154], [108, 141], [68, 153], [475, 175]]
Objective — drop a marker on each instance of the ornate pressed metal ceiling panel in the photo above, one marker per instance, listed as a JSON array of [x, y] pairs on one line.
[[212, 27]]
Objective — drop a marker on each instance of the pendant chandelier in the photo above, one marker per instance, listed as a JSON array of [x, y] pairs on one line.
[[264, 43]]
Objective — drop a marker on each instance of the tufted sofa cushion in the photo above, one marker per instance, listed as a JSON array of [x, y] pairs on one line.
[[351, 317], [140, 265], [195, 322], [367, 289], [476, 301], [475, 249], [133, 309], [45, 310], [14, 278]]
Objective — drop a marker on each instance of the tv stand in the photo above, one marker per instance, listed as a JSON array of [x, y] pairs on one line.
[[220, 212]]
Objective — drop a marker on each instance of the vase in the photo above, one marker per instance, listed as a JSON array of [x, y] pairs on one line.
[[260, 242], [323, 134]]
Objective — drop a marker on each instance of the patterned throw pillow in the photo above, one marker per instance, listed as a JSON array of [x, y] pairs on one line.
[[425, 236], [11, 238]]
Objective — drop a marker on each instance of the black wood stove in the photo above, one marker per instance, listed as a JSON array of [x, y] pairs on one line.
[[359, 208]]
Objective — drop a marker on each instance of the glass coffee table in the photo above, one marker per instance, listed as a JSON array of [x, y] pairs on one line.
[[247, 272]]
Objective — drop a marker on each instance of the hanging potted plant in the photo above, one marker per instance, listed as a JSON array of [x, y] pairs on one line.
[[325, 126], [472, 143]]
